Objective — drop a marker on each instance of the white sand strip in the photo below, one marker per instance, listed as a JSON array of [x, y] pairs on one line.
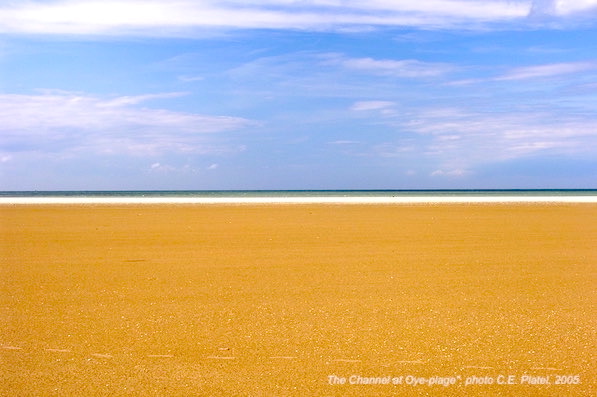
[[477, 367], [12, 348], [298, 200], [59, 350]]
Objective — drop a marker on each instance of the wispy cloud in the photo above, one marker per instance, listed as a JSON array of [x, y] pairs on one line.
[[171, 170], [399, 68], [563, 7], [330, 74], [455, 141], [450, 172], [137, 99], [183, 17], [549, 70], [464, 136], [345, 142], [68, 122], [190, 79], [372, 105], [406, 68]]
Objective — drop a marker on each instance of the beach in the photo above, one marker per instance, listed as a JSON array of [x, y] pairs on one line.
[[302, 299]]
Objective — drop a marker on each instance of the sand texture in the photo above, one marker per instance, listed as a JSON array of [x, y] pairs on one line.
[[270, 300]]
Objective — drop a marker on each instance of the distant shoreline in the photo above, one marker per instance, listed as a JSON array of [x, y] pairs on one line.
[[301, 196], [427, 199]]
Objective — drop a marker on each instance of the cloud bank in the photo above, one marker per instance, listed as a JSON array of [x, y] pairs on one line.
[[459, 139], [188, 18], [66, 123]]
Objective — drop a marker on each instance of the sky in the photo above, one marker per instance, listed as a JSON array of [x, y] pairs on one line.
[[298, 94]]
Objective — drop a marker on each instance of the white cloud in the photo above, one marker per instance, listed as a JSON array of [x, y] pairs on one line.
[[465, 137], [450, 172], [407, 68], [326, 74], [549, 70], [372, 105], [456, 141], [344, 142], [567, 7], [172, 170], [182, 17], [563, 7], [67, 122], [190, 18], [137, 99], [396, 149], [190, 79]]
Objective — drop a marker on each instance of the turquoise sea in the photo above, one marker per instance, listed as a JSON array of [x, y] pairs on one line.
[[299, 193]]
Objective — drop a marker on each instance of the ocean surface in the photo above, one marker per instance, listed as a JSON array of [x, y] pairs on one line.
[[297, 196], [300, 193]]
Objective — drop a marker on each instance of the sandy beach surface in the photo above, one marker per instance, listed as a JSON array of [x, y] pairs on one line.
[[298, 300]]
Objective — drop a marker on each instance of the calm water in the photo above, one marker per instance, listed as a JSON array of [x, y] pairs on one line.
[[302, 193]]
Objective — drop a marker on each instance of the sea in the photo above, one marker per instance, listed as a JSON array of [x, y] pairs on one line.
[[297, 196]]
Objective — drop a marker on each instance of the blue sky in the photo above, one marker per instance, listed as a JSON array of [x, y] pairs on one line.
[[311, 94]]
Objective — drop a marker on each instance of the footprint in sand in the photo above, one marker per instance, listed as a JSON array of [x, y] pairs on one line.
[[100, 355], [410, 362], [12, 348], [546, 368]]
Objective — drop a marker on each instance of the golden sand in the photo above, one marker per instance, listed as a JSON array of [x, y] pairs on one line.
[[270, 300]]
